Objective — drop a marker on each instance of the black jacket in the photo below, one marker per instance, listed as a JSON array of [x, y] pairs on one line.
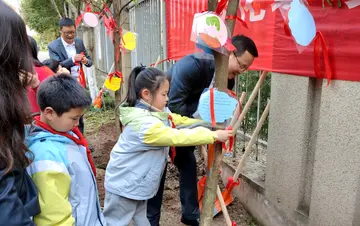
[[189, 77], [18, 198]]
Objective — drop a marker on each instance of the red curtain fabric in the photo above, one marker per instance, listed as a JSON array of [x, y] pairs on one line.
[[277, 51]]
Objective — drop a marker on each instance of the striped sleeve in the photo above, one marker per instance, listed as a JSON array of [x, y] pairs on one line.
[[157, 134], [52, 179], [184, 121]]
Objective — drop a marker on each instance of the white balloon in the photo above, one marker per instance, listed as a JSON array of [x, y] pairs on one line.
[[90, 19]]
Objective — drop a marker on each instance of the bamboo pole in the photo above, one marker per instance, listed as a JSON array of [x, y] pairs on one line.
[[223, 207], [240, 167], [250, 101]]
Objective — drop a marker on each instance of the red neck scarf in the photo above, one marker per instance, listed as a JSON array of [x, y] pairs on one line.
[[79, 141]]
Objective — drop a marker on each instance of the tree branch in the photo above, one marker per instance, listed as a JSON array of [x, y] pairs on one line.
[[72, 7], [65, 9], [53, 3]]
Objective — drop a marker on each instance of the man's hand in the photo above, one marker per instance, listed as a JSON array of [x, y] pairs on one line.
[[78, 57], [84, 60]]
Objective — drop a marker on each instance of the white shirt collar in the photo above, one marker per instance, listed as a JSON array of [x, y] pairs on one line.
[[67, 44]]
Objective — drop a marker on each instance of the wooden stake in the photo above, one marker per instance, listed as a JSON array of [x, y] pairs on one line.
[[240, 167], [223, 207]]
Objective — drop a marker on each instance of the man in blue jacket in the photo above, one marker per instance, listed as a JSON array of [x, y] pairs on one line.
[[67, 50], [189, 77]]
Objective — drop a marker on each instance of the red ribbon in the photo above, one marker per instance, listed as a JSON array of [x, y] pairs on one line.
[[320, 41], [79, 141], [231, 142], [109, 22], [81, 73], [117, 74], [221, 6], [172, 149], [87, 10], [78, 20], [231, 184], [233, 17], [212, 110], [82, 76]]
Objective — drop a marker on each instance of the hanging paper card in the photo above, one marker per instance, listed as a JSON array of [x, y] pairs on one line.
[[129, 41], [212, 30], [209, 31], [113, 84], [90, 19], [223, 106], [301, 23]]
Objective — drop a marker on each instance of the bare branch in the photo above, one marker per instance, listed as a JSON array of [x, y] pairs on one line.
[[72, 6], [53, 3], [65, 9]]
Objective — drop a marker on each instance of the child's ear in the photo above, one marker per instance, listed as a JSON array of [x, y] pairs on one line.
[[49, 113], [146, 95]]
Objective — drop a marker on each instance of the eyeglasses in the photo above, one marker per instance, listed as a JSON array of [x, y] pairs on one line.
[[69, 32], [242, 66]]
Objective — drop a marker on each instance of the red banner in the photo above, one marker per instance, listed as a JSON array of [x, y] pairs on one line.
[[277, 51]]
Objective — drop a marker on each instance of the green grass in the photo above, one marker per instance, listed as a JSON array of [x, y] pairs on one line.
[[96, 118]]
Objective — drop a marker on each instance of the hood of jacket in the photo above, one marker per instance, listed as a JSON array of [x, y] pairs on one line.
[[35, 133]]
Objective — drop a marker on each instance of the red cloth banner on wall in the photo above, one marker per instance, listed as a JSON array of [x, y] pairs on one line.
[[277, 51]]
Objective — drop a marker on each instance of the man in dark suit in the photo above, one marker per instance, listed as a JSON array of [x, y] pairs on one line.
[[67, 50]]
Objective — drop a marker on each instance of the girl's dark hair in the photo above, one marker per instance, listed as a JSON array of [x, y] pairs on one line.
[[52, 64], [143, 78], [34, 51], [14, 58]]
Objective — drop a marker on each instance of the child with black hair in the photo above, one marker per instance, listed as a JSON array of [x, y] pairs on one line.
[[138, 159], [55, 66], [62, 169]]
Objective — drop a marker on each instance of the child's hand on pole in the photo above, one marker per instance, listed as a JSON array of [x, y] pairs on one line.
[[223, 135]]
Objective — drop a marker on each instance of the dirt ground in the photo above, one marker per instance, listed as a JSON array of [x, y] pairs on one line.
[[101, 135]]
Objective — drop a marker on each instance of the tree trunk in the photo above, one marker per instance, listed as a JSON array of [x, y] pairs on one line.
[[90, 73], [221, 72], [118, 64]]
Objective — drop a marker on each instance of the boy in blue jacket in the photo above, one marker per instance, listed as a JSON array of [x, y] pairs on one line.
[[62, 169]]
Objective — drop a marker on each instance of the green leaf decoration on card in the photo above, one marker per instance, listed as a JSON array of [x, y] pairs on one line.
[[213, 21]]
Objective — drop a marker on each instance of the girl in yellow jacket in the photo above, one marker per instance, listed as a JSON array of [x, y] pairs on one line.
[[138, 159]]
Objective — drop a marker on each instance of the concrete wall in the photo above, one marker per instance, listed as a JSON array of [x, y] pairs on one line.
[[313, 160]]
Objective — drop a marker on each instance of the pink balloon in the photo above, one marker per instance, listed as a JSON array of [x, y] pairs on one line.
[[91, 19]]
